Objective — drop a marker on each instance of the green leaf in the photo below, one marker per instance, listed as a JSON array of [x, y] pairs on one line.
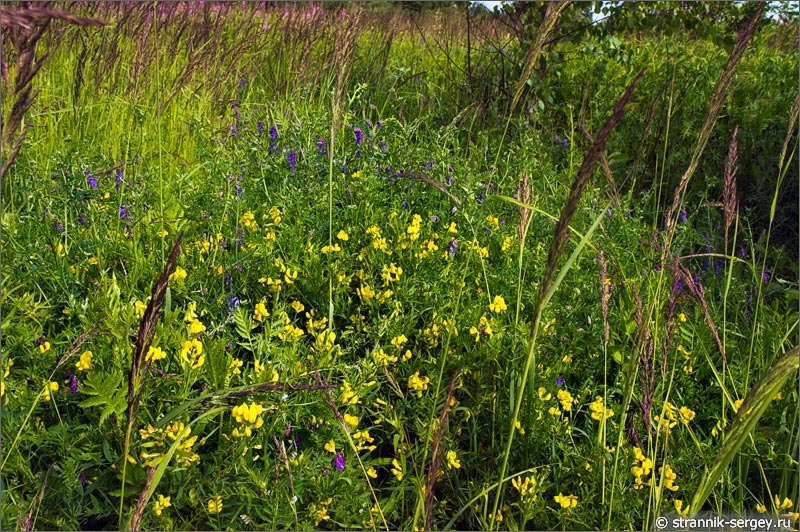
[[107, 392]]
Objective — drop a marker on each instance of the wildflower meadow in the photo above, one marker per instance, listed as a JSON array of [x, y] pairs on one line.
[[398, 265]]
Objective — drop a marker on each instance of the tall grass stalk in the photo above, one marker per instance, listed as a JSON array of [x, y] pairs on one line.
[[548, 284]]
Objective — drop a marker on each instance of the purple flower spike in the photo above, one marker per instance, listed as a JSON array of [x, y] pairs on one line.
[[683, 217], [260, 126], [451, 248], [321, 146], [766, 275], [124, 212], [339, 461], [291, 158], [359, 135], [560, 381], [118, 177], [84, 482], [92, 181], [73, 385]]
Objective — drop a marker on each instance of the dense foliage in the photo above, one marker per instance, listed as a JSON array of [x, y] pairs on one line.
[[338, 270]]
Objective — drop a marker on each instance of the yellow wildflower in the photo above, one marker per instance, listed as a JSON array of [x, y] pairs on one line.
[[85, 362], [498, 305], [452, 460], [161, 503], [566, 501], [260, 312], [179, 275], [342, 235], [215, 505]]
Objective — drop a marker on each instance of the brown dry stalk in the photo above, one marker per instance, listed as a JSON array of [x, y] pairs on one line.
[[714, 107], [29, 521], [147, 327], [793, 115], [436, 455], [549, 22], [524, 212], [699, 295], [432, 182], [25, 26], [80, 340], [581, 180], [729, 184], [605, 293], [141, 504], [30, 16], [603, 161]]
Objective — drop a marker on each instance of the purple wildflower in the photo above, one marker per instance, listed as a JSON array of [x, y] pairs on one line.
[[228, 281], [288, 431], [683, 217], [118, 176], [556, 140], [73, 385], [60, 227], [82, 218], [383, 146], [84, 482], [296, 442], [449, 180], [560, 381], [233, 302], [92, 181], [260, 127], [321, 144], [291, 158], [379, 124], [451, 247], [238, 189], [766, 275], [566, 142], [273, 134], [339, 461], [124, 212], [233, 129], [359, 135]]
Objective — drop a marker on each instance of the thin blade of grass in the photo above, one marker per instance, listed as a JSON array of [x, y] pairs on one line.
[[755, 404]]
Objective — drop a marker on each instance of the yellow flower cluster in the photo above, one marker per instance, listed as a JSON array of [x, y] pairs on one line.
[[248, 220], [484, 328], [179, 275], [566, 501], [342, 235], [365, 292], [192, 353], [348, 396], [290, 332], [418, 384], [215, 504], [481, 251], [85, 362], [320, 512], [498, 305], [397, 469], [673, 416], [381, 358], [155, 353], [669, 477], [566, 399], [160, 504], [361, 438], [5, 374], [452, 460], [526, 488], [641, 469], [391, 273], [413, 230], [248, 417], [205, 245], [325, 341], [428, 247], [260, 312], [494, 223], [433, 333], [48, 389], [335, 248], [275, 214], [599, 410], [155, 440]]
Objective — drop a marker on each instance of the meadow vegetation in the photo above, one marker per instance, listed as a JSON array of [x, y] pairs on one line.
[[345, 266]]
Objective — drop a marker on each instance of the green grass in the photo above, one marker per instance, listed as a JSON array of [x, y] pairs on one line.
[[296, 280]]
